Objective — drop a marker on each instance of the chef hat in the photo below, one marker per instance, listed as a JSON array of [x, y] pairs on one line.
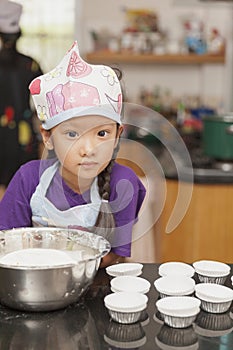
[[76, 88], [10, 13]]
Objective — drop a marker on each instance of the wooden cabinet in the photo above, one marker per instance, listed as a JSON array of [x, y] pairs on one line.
[[206, 231], [110, 57]]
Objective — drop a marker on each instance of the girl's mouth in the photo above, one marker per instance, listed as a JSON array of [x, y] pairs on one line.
[[87, 165]]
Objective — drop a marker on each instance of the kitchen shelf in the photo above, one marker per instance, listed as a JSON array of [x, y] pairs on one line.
[[132, 58]]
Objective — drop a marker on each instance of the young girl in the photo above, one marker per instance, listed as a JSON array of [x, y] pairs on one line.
[[79, 106]]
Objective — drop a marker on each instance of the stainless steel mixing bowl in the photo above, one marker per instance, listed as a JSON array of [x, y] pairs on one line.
[[45, 288]]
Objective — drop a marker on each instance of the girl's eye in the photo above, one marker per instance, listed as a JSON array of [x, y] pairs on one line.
[[102, 133], [72, 134]]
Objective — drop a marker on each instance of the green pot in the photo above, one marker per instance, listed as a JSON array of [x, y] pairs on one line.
[[218, 136]]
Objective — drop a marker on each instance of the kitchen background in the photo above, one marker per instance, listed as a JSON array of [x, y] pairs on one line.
[[48, 31], [177, 58]]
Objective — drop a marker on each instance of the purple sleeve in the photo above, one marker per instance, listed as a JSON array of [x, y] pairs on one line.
[[15, 208], [127, 195]]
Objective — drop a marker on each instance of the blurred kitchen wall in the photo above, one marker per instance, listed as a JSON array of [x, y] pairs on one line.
[[48, 28]]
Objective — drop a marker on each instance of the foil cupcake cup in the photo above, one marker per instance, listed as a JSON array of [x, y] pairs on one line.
[[215, 307], [178, 322], [178, 312], [174, 286], [210, 271], [211, 279], [125, 307], [125, 317], [214, 298]]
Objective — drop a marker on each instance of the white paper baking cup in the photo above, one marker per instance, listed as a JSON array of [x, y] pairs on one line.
[[125, 307], [174, 268], [214, 297], [210, 271], [179, 312], [124, 269], [130, 284], [174, 286]]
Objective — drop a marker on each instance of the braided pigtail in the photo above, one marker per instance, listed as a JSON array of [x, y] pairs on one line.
[[105, 223]]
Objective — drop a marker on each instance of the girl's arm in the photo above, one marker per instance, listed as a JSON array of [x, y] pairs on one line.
[[15, 208], [110, 259]]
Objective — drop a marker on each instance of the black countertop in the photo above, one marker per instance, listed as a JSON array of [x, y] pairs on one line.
[[86, 325], [202, 170]]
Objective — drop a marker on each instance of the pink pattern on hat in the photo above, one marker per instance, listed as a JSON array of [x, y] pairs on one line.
[[119, 103], [55, 100], [71, 95], [77, 68], [82, 95], [35, 87]]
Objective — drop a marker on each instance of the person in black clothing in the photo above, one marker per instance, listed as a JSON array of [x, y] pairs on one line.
[[18, 139]]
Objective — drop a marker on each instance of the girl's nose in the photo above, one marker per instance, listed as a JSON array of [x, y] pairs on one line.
[[86, 146]]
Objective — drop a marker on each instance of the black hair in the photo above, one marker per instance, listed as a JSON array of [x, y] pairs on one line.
[[105, 223]]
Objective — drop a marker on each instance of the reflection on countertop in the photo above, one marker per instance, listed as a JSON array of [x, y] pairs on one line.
[[87, 325]]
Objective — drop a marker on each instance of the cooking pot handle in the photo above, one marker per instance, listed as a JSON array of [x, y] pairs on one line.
[[229, 129]]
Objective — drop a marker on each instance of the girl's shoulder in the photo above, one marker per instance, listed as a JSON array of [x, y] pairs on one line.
[[29, 173], [35, 167]]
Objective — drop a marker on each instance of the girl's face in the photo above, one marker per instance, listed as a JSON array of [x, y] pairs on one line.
[[84, 146]]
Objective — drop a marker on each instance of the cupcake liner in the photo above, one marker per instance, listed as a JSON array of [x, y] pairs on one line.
[[209, 279], [125, 317], [215, 307], [214, 293], [124, 269], [130, 284], [162, 295], [174, 286], [211, 268], [126, 302], [179, 322], [174, 268], [181, 306]]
